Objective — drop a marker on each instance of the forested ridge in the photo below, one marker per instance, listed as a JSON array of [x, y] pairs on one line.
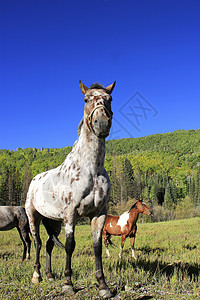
[[164, 168]]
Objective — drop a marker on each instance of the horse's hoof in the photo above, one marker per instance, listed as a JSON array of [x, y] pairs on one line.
[[105, 293], [68, 289], [51, 279], [50, 276], [36, 278]]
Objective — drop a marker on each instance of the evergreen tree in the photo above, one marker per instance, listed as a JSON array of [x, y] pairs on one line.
[[128, 180], [138, 184], [25, 184], [192, 189], [4, 193], [197, 188], [115, 194], [168, 201], [17, 188]]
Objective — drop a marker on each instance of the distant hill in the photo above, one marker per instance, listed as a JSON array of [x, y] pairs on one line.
[[160, 166], [179, 150], [179, 141]]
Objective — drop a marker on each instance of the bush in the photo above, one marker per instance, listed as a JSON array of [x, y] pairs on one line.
[[161, 213], [186, 209]]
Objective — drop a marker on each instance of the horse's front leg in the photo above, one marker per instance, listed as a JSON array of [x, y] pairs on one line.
[[69, 248], [122, 245], [132, 247], [132, 240], [97, 224]]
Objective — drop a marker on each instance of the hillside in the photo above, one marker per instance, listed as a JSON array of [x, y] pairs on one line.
[[178, 142], [177, 153], [161, 167]]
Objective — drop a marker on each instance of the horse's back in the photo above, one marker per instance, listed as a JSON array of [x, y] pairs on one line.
[[111, 225], [111, 218]]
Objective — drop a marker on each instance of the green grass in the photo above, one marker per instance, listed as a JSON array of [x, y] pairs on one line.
[[167, 265]]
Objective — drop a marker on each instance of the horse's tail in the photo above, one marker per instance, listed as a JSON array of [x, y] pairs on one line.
[[57, 242], [110, 242]]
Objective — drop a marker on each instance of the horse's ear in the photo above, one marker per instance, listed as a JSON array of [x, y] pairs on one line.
[[110, 88], [83, 88]]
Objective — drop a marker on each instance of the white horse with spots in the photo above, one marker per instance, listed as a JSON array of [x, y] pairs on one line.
[[79, 187]]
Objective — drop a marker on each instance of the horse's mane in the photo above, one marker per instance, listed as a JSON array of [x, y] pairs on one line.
[[79, 127], [133, 206], [97, 85]]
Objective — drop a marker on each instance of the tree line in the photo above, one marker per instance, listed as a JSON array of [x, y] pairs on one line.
[[163, 168]]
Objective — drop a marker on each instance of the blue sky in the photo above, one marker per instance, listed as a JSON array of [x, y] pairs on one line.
[[150, 47]]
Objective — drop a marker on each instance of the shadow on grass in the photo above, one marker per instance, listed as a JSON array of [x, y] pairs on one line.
[[158, 267], [7, 255]]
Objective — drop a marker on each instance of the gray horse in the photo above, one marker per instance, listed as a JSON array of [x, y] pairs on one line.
[[15, 216]]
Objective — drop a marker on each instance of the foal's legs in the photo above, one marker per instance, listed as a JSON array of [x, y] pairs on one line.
[[122, 245], [97, 224], [132, 240], [106, 236], [132, 247]]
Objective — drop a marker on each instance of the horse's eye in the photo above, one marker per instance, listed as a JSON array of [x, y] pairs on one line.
[[109, 99], [86, 100]]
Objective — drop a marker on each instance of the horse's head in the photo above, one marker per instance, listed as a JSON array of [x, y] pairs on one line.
[[97, 112], [143, 208]]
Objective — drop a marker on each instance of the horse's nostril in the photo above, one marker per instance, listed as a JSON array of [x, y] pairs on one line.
[[95, 121]]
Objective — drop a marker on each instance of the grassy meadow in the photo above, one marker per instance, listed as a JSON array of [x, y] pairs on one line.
[[167, 265]]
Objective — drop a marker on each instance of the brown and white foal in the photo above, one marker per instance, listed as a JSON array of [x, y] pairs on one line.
[[124, 226]]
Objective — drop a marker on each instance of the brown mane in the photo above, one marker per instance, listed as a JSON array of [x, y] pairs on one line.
[[133, 206], [97, 85]]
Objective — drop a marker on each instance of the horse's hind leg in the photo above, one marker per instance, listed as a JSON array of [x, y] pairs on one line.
[[53, 229], [24, 235], [105, 237]]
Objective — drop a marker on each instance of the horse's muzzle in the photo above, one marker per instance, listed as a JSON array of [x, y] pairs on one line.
[[102, 127]]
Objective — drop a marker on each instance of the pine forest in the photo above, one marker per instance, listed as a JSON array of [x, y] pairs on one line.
[[162, 169]]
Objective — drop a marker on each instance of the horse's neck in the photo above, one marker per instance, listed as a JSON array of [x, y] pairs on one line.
[[134, 215], [89, 151]]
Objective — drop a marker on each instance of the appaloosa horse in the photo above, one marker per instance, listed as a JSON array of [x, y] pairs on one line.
[[15, 216], [79, 187], [124, 225]]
